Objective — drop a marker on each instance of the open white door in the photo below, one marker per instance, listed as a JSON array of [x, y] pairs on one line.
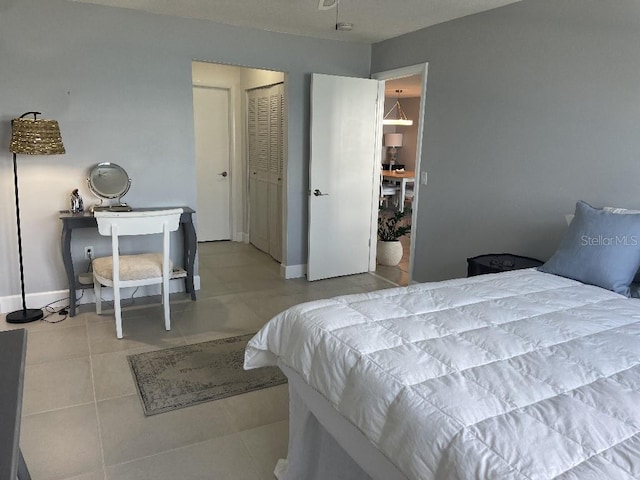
[[344, 165], [211, 124]]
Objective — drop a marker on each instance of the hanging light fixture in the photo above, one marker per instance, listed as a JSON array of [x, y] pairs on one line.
[[400, 117], [328, 5]]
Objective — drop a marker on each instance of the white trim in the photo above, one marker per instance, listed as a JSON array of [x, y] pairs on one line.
[[418, 69], [375, 181], [59, 298], [285, 171], [293, 271], [241, 237]]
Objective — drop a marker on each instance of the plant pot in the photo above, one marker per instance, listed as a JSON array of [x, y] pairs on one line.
[[389, 253]]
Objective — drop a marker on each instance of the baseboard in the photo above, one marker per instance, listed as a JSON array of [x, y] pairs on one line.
[[59, 298], [240, 237], [293, 271]]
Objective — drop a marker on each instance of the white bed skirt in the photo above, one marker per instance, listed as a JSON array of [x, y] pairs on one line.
[[323, 444]]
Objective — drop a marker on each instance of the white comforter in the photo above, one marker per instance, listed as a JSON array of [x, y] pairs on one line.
[[515, 375]]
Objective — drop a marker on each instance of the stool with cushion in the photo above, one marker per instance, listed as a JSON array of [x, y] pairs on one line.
[[121, 271]]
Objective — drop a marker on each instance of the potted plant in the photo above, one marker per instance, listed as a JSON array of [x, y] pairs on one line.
[[390, 229]]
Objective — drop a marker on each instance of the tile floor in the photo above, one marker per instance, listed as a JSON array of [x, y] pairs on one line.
[[82, 419]]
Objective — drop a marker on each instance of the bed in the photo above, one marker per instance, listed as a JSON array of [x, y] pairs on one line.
[[523, 375]]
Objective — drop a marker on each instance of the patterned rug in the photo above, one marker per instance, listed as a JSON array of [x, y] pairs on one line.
[[183, 376]]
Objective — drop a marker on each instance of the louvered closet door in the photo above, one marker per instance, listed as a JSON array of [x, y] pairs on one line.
[[265, 146]]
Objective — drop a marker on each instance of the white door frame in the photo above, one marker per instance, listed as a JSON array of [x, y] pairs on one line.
[[419, 69]]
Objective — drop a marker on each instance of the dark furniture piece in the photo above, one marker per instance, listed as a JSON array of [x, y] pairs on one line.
[[13, 348], [499, 262], [395, 166], [71, 221]]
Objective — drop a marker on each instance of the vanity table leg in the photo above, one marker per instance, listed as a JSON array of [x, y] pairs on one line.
[[190, 243], [68, 266]]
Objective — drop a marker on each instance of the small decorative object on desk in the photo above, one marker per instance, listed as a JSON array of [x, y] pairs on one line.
[[77, 205]]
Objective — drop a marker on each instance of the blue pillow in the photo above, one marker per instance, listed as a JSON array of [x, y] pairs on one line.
[[600, 248]]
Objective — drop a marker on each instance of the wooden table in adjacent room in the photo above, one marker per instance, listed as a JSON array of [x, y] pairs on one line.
[[403, 177]]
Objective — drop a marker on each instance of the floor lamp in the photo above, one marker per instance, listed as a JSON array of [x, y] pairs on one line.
[[30, 136]]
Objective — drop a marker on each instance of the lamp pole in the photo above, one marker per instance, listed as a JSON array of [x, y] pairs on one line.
[[24, 315]]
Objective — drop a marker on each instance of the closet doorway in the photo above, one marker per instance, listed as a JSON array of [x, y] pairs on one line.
[[265, 139], [254, 181]]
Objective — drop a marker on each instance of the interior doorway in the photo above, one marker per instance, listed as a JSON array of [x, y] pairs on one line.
[[221, 131], [401, 158], [212, 151]]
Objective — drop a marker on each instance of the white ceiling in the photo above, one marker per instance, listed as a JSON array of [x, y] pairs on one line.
[[373, 20]]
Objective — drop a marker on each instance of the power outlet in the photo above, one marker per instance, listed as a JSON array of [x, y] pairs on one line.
[[88, 252]]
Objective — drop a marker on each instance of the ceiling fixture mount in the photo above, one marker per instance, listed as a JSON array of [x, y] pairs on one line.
[[400, 118], [327, 4]]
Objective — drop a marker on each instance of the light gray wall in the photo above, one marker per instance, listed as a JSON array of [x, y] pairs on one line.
[[119, 83], [529, 108], [407, 154]]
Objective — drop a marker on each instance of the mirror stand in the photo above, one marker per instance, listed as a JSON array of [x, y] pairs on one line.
[[109, 181]]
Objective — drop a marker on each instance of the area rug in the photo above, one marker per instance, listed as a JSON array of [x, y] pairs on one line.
[[183, 376]]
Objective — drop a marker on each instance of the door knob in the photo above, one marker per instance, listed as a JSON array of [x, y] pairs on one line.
[[224, 174], [318, 193]]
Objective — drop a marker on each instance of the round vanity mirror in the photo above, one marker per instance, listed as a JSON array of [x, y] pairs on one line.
[[108, 181]]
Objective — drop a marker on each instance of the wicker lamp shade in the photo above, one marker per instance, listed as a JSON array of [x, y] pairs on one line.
[[35, 137]]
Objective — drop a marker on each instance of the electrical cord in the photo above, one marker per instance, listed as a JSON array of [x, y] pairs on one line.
[[131, 300], [64, 311]]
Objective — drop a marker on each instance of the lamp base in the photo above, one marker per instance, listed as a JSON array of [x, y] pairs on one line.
[[25, 316]]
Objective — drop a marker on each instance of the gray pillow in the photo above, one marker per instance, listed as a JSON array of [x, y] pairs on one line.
[[600, 248], [626, 211]]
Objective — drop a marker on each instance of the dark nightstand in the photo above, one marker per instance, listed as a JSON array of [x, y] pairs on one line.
[[499, 262]]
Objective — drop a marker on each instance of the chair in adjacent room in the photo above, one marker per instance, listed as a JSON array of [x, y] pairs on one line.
[[409, 194], [388, 189], [121, 271]]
